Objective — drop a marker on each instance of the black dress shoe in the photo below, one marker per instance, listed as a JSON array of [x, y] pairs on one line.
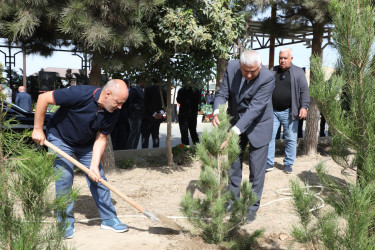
[[251, 216]]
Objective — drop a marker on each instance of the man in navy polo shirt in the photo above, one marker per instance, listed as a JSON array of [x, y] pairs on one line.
[[80, 127]]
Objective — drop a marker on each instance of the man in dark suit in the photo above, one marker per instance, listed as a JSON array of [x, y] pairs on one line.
[[23, 99], [248, 87], [155, 99], [189, 98], [136, 109]]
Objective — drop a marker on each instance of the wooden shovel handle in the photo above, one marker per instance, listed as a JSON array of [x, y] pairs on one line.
[[88, 172]]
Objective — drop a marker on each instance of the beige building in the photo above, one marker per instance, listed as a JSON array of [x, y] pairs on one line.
[[327, 73], [62, 72]]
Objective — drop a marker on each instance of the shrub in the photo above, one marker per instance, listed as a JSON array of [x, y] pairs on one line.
[[183, 154], [126, 163]]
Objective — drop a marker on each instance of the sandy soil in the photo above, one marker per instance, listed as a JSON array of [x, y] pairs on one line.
[[159, 188]]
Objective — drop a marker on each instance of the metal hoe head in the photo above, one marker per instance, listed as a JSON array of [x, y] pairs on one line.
[[151, 216], [164, 220]]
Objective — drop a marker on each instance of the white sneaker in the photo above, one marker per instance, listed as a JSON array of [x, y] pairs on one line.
[[269, 168]]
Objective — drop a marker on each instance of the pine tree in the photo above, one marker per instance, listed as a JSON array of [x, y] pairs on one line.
[[26, 175], [186, 38], [347, 102], [209, 214]]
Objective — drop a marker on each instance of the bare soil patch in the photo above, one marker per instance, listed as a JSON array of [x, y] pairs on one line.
[[160, 188]]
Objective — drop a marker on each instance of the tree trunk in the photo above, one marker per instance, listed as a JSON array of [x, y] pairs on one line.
[[24, 77], [271, 57], [221, 67], [108, 158], [95, 73], [169, 122], [311, 133]]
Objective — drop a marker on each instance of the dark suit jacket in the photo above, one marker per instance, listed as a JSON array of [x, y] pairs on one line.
[[153, 101], [189, 99], [252, 112], [136, 102], [23, 100]]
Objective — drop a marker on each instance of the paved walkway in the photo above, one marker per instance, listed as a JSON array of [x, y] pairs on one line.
[[176, 136], [176, 139]]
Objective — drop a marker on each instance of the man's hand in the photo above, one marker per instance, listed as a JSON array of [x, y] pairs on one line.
[[302, 113], [224, 144], [95, 174], [38, 136], [215, 121], [40, 111], [158, 116]]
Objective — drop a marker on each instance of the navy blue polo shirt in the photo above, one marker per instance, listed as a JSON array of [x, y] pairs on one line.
[[78, 120]]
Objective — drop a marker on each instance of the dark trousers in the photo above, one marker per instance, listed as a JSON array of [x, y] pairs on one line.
[[119, 136], [174, 113], [135, 132], [188, 123], [257, 163], [150, 126], [322, 126]]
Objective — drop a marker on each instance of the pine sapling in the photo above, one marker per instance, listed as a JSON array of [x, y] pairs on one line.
[[26, 197], [209, 214], [347, 102]]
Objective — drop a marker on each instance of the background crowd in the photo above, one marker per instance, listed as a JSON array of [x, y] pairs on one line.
[[144, 111]]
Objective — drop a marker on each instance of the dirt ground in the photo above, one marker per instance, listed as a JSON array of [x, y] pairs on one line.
[[159, 188]]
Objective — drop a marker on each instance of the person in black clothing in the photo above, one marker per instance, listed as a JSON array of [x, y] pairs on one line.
[[136, 109], [290, 100], [120, 132], [189, 98], [155, 99], [59, 85]]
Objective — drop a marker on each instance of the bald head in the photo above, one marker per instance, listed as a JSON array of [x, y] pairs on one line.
[[113, 95], [21, 88], [114, 84]]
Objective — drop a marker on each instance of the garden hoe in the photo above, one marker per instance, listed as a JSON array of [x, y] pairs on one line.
[[158, 218]]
